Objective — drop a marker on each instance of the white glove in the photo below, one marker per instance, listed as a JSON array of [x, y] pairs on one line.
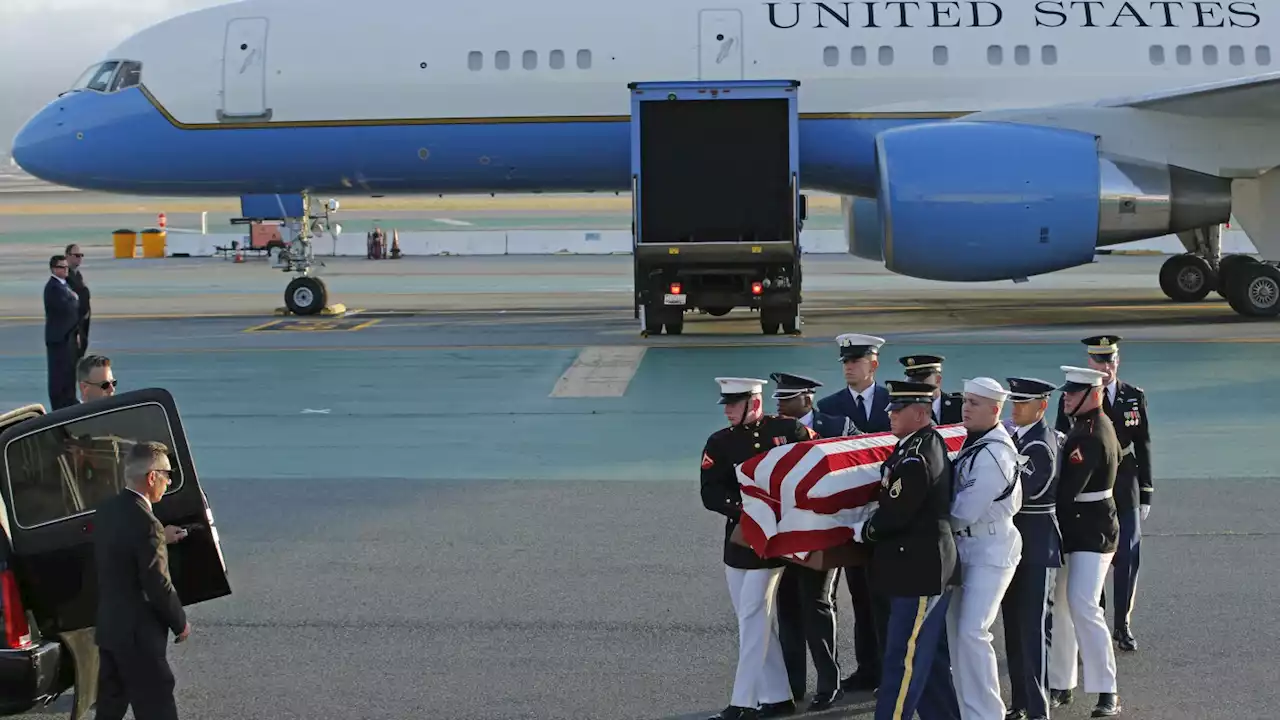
[[1146, 510], [857, 530]]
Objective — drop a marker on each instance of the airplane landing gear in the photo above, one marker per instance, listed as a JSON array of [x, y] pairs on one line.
[[1187, 278], [1252, 288], [307, 294]]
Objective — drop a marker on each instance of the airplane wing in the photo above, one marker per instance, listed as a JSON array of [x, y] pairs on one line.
[[1257, 96]]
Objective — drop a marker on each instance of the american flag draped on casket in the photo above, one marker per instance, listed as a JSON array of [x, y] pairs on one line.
[[805, 497]]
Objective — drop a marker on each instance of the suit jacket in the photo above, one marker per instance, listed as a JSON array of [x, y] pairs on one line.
[[61, 311], [913, 549], [76, 281], [137, 603], [951, 405], [841, 403], [1038, 518], [1128, 414]]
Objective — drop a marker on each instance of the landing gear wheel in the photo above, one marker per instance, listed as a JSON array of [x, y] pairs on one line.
[[1229, 265], [1255, 291], [1187, 278], [306, 296]]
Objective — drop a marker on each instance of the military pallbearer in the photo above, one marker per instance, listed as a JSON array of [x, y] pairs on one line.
[[947, 407]]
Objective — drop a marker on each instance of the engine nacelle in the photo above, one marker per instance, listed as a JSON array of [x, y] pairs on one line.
[[861, 226], [977, 201]]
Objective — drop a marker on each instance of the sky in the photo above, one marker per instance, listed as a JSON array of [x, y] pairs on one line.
[[46, 44]]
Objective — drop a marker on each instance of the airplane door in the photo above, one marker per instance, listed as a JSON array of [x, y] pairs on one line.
[[244, 71], [56, 469], [720, 45]]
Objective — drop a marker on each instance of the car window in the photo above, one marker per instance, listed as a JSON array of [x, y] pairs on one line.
[[65, 471]]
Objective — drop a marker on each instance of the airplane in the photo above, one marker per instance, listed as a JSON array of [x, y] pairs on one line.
[[970, 140]]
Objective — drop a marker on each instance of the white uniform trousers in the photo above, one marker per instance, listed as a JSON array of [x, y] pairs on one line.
[[762, 673], [1080, 627], [973, 610]]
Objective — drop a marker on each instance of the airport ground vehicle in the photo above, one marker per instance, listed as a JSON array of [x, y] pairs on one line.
[[716, 203], [55, 468]]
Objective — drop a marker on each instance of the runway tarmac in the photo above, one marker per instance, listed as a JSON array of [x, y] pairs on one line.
[[448, 511]]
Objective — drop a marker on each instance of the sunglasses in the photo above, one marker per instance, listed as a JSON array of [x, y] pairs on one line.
[[105, 384]]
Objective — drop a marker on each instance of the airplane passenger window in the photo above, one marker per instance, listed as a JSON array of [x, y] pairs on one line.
[[939, 54], [1236, 54], [1210, 55], [475, 60], [130, 75], [859, 55], [1263, 55], [502, 60], [886, 55], [1049, 55], [556, 60], [1022, 55], [68, 470], [584, 59], [831, 56], [1183, 53], [995, 54], [1157, 54], [530, 60]]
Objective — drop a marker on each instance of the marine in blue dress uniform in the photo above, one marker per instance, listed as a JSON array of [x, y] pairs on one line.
[[1025, 608], [807, 597], [914, 564], [864, 402], [1126, 405], [947, 407]]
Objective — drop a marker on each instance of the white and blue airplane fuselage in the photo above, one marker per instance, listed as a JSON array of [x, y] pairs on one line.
[[992, 139]]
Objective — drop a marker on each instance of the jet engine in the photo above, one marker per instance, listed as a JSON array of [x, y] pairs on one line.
[[978, 201]]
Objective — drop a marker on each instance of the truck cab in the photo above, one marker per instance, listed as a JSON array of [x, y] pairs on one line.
[[55, 469]]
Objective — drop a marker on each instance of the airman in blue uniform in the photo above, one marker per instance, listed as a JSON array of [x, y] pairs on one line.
[[1026, 605]]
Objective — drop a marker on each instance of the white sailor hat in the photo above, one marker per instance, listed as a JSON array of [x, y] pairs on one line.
[[733, 389], [1024, 389], [1079, 378], [854, 346], [790, 386], [986, 387]]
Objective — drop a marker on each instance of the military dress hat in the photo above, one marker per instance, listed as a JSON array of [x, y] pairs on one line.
[[986, 387], [905, 392], [790, 386], [915, 366], [733, 389], [1079, 378], [1025, 389], [1102, 346], [854, 346]]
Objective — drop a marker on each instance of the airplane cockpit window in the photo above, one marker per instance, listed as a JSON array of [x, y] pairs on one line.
[[110, 76], [130, 75]]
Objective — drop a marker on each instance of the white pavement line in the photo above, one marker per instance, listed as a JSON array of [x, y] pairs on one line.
[[600, 372], [450, 221]]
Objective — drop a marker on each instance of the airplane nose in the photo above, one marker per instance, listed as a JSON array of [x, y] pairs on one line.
[[39, 145]]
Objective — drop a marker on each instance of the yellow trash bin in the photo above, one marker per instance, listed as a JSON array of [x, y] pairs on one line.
[[124, 242], [153, 243]]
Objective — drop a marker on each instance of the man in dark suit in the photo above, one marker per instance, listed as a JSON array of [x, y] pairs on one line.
[[75, 281], [807, 597], [137, 604], [914, 562], [1126, 406], [947, 407], [61, 322], [864, 402]]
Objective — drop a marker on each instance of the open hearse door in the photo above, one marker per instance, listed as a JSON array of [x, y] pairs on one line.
[[55, 469]]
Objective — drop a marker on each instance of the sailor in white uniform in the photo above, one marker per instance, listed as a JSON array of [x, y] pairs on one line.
[[988, 495]]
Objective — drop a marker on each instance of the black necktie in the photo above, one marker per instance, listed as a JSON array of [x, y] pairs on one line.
[[862, 408]]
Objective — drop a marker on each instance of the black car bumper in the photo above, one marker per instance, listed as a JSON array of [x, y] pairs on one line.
[[29, 676]]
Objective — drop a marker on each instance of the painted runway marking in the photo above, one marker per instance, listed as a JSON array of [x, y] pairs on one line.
[[451, 221], [325, 325], [600, 372]]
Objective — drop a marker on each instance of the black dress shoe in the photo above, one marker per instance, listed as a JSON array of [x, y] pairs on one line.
[[822, 701], [859, 682], [778, 709], [1016, 715], [1124, 638], [1108, 706], [734, 712], [1058, 698]]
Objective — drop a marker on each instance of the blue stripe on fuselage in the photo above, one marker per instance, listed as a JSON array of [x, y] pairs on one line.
[[123, 143]]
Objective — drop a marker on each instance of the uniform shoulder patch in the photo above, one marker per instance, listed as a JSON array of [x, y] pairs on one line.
[[1076, 457], [707, 462], [896, 489]]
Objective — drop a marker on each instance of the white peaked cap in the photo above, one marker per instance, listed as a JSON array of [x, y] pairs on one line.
[[739, 386], [856, 340], [1087, 377], [986, 387]]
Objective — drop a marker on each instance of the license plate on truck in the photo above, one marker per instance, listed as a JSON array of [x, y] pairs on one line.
[[670, 299]]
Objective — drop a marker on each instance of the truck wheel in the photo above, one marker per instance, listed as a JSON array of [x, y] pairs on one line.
[[717, 311], [675, 325], [770, 323]]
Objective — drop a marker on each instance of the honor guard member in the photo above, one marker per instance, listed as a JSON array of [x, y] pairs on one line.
[[1025, 608], [807, 597], [913, 562], [1126, 406], [760, 687], [928, 369], [988, 495], [1087, 466], [864, 402]]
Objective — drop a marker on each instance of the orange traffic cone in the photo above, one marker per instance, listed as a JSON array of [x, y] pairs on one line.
[[395, 245], [239, 255]]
